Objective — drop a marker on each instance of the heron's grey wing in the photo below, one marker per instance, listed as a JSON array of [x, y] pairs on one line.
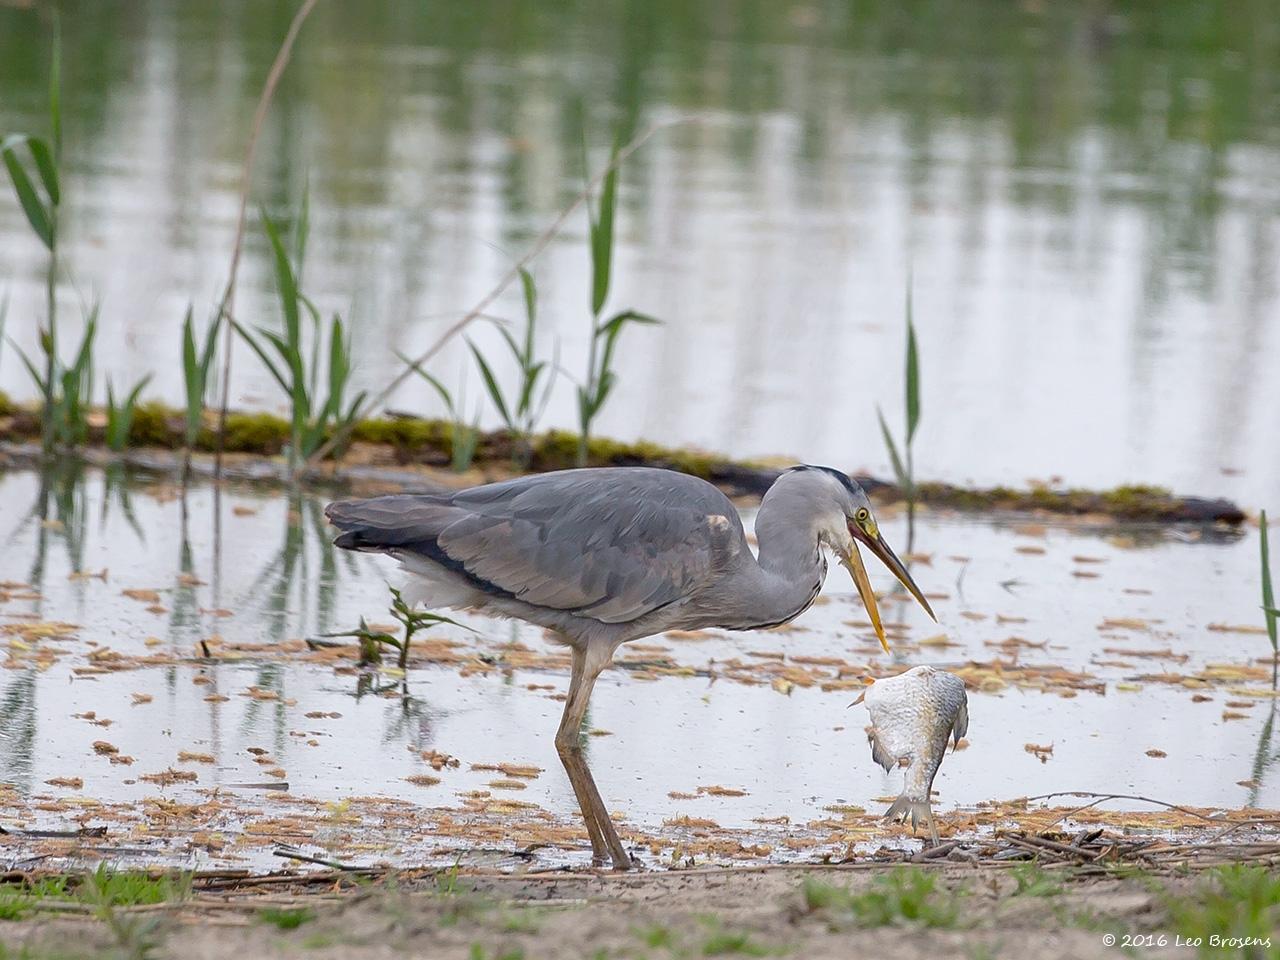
[[612, 545]]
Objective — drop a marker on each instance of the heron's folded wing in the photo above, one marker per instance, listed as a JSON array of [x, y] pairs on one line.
[[609, 548]]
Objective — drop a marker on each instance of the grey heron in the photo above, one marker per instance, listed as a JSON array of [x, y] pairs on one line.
[[604, 556]]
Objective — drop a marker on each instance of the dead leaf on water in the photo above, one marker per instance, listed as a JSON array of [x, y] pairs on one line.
[[691, 822], [1041, 752], [507, 784], [1156, 753], [439, 760], [937, 640], [1125, 623], [718, 791], [71, 783], [525, 771]]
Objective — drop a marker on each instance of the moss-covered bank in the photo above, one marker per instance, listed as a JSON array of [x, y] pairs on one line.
[[407, 441]]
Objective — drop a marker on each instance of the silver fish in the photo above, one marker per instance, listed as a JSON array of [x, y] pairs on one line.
[[912, 716]]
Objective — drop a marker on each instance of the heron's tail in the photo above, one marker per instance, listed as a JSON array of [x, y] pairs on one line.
[[383, 523], [917, 810]]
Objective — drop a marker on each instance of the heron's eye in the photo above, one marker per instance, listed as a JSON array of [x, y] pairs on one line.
[[862, 515]]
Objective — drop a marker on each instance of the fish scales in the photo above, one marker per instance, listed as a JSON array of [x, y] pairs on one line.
[[912, 717]]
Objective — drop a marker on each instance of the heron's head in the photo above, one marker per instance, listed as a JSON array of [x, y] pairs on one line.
[[845, 520]]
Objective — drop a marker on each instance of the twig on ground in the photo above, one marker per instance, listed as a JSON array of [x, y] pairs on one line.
[[305, 858], [1100, 797]]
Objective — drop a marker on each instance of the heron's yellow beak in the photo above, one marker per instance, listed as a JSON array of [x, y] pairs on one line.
[[875, 543]]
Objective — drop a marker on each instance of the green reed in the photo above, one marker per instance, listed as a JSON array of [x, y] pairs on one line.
[[600, 379], [410, 620], [464, 437], [298, 376], [120, 415], [42, 214], [66, 389], [904, 468], [196, 366], [523, 411], [1269, 610]]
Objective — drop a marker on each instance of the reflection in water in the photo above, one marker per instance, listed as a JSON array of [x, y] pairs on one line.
[[1264, 758], [18, 733], [1087, 193]]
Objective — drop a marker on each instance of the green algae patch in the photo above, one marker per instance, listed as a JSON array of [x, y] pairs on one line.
[[412, 441], [1130, 502]]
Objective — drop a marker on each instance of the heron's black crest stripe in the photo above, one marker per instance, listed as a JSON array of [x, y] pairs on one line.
[[845, 480]]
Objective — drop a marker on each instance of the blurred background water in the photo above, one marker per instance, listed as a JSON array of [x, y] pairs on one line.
[[1085, 193]]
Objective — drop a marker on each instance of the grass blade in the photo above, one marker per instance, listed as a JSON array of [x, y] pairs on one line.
[[491, 385], [287, 285], [913, 375], [1268, 596], [530, 310], [898, 469], [439, 387], [39, 218], [262, 354], [31, 368], [602, 242], [45, 166], [190, 367]]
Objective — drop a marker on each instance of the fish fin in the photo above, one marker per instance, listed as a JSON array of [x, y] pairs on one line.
[[878, 753], [917, 810], [961, 724]]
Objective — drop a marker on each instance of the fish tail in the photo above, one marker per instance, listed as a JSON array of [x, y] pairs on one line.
[[917, 810]]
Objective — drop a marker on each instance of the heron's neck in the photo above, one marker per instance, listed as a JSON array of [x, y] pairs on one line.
[[788, 574]]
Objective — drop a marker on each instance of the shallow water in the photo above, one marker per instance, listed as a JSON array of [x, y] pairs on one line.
[[732, 720], [1086, 196]]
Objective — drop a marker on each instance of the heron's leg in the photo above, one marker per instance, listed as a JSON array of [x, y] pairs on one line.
[[587, 665], [567, 736]]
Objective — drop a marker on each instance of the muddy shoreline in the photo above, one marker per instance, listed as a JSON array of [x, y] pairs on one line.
[[1023, 910]]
